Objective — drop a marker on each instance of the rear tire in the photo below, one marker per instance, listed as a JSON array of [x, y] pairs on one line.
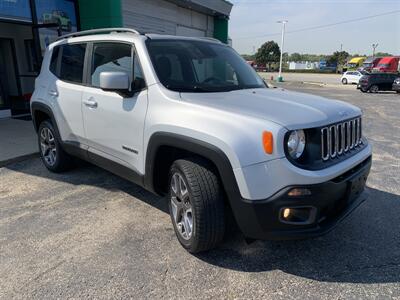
[[344, 81], [374, 88], [53, 156], [196, 205]]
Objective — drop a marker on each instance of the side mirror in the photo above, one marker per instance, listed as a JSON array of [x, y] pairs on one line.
[[114, 81]]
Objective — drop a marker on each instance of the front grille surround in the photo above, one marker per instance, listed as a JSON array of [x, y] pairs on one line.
[[341, 138]]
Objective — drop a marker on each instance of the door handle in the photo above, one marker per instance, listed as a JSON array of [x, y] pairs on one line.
[[53, 93], [90, 103]]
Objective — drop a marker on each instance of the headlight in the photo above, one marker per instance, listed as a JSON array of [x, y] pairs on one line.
[[296, 143]]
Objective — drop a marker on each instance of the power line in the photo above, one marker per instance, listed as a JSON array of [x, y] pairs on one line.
[[322, 26]]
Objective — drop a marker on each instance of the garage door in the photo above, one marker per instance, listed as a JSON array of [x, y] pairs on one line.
[[187, 31]]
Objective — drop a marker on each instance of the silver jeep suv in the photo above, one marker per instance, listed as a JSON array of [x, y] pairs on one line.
[[189, 119]]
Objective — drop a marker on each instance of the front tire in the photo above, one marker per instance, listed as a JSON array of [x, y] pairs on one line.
[[53, 156], [344, 81], [374, 88], [196, 205]]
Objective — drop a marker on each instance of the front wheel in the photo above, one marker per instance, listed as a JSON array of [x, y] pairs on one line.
[[196, 205], [344, 81], [374, 88]]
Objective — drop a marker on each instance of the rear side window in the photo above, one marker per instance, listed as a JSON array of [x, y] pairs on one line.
[[72, 60], [68, 67]]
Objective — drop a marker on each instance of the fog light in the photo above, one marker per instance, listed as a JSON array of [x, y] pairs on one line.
[[298, 215], [286, 213], [296, 192]]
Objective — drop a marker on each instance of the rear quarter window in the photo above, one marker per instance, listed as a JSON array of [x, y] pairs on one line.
[[54, 60]]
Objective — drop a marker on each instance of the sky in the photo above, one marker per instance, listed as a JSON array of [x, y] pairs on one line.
[[253, 22]]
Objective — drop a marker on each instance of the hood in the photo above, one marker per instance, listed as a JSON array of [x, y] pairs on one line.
[[292, 110]]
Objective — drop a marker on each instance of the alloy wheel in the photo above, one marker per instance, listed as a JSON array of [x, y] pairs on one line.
[[48, 146], [181, 207]]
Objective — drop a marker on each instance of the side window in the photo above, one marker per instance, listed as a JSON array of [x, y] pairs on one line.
[[54, 60], [110, 57], [72, 61]]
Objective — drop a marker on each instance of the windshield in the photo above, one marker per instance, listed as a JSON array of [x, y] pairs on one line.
[[201, 66], [383, 65]]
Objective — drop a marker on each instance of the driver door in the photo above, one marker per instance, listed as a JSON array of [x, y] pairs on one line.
[[113, 122]]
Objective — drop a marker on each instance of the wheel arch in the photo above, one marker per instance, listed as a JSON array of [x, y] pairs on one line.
[[41, 112], [161, 143]]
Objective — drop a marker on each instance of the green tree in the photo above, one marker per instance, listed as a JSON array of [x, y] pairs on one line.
[[296, 57], [382, 54], [338, 57], [268, 54], [248, 57]]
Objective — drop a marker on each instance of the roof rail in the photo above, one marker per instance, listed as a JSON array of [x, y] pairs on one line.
[[97, 31], [211, 39]]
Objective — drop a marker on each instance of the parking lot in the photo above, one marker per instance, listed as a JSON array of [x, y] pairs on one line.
[[87, 233]]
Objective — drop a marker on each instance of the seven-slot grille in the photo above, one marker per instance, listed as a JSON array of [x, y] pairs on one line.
[[340, 138]]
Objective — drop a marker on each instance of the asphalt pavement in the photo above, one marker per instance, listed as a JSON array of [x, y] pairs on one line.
[[89, 234]]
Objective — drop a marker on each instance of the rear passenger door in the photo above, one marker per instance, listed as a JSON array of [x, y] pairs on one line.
[[113, 122], [65, 90]]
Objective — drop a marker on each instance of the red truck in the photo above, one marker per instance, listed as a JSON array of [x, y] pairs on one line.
[[388, 64]]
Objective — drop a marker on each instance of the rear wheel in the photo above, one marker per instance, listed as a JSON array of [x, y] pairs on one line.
[[196, 205], [53, 156], [344, 81], [374, 88]]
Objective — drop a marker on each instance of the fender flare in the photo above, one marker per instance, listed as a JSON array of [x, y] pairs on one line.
[[36, 106], [195, 146]]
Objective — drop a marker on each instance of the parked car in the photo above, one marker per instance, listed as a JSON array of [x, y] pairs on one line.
[[389, 64], [351, 77], [396, 85], [188, 119], [375, 82], [369, 64]]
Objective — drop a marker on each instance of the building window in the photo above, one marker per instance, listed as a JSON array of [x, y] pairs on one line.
[[18, 10], [60, 12], [31, 58]]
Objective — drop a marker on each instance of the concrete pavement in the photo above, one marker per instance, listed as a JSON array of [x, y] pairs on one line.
[[18, 140]]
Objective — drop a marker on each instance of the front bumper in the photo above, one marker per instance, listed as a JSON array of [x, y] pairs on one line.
[[328, 204]]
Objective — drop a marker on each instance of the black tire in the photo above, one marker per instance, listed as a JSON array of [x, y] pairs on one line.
[[363, 90], [344, 81], [207, 204], [62, 161], [374, 88]]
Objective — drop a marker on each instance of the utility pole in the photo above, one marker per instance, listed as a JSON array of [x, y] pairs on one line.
[[341, 47], [283, 22], [374, 46]]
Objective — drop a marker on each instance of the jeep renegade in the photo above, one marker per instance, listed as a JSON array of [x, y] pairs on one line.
[[187, 118]]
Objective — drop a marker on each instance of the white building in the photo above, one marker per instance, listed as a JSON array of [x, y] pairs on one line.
[[304, 65]]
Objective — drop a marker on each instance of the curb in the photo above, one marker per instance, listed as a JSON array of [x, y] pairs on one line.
[[6, 162]]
